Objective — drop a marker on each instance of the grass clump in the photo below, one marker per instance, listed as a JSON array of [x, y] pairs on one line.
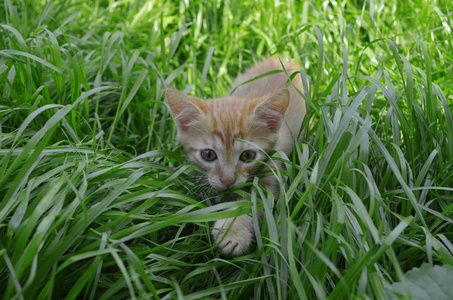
[[97, 200]]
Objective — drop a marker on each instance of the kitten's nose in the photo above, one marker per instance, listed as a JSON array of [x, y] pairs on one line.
[[227, 181]]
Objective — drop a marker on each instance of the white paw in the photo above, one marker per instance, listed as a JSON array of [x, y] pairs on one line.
[[235, 239]]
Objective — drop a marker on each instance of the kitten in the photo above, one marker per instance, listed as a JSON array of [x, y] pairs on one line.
[[262, 112]]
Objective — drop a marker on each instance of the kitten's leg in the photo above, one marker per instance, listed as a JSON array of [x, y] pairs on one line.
[[236, 235]]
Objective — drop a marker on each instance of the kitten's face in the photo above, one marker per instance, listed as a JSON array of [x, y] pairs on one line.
[[225, 137], [226, 165]]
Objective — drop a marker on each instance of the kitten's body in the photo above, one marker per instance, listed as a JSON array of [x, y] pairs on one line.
[[261, 112]]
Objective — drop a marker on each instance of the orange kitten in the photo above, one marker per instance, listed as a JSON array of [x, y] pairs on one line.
[[262, 112]]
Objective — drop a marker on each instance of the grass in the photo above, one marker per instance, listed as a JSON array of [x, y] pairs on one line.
[[98, 202]]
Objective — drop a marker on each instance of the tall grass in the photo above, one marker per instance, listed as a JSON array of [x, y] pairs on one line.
[[97, 200]]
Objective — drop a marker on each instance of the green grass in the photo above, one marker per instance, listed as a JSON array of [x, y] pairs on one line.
[[98, 202]]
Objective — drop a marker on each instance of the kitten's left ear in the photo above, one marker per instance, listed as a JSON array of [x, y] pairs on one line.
[[272, 110]]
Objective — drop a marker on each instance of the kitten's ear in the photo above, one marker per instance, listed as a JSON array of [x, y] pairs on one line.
[[185, 112], [272, 110]]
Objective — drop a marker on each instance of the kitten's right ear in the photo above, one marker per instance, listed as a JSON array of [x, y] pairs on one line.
[[272, 110], [185, 112]]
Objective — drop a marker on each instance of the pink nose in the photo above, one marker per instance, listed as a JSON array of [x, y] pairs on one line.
[[227, 181]]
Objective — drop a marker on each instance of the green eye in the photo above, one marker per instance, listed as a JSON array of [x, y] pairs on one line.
[[247, 155], [208, 155]]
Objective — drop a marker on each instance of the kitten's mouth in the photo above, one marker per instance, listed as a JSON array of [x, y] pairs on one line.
[[228, 197]]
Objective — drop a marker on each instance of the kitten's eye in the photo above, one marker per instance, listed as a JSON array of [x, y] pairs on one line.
[[247, 155], [208, 155]]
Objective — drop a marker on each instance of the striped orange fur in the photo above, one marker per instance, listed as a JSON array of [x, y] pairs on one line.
[[224, 137]]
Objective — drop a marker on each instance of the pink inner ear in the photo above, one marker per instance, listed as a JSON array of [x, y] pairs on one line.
[[186, 118], [272, 119], [272, 110]]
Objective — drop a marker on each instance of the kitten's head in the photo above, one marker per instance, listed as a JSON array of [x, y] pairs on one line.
[[211, 131]]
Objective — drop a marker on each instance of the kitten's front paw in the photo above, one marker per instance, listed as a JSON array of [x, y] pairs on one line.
[[235, 239]]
